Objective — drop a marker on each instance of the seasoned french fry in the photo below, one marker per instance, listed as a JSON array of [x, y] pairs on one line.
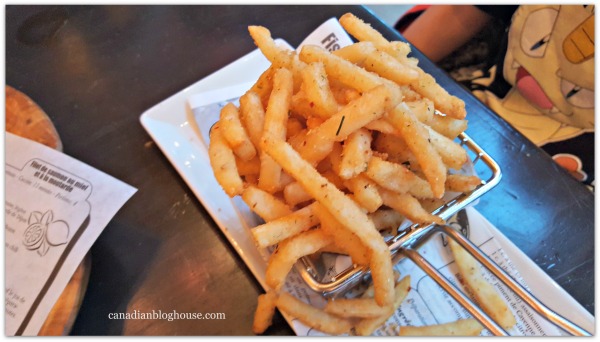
[[266, 44], [275, 124], [357, 307], [289, 251], [263, 316], [462, 327], [417, 138], [222, 161], [252, 116], [294, 126], [343, 209], [451, 153], [385, 218], [366, 326], [462, 183], [391, 176], [312, 316], [275, 231], [344, 239], [294, 193], [446, 125], [267, 206], [408, 206], [481, 290], [235, 134], [249, 167], [365, 192], [396, 149], [446, 103], [356, 154], [370, 106], [390, 68], [263, 86], [318, 92]]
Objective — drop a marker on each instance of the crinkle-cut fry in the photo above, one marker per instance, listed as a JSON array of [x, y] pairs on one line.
[[250, 167], [265, 205], [349, 74], [317, 89], [356, 153], [222, 161], [447, 126], [417, 138], [275, 231], [289, 251], [235, 134], [294, 194], [461, 327], [356, 307], [364, 32], [343, 238], [391, 176], [481, 290], [264, 86], [313, 317], [444, 102], [386, 218], [319, 141], [367, 326], [252, 115], [462, 183], [365, 192], [345, 210], [452, 154], [275, 124], [408, 206], [265, 309]]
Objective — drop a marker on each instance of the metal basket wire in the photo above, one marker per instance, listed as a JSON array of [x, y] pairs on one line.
[[406, 240]]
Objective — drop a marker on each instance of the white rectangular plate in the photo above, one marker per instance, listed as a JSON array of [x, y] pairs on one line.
[[171, 124]]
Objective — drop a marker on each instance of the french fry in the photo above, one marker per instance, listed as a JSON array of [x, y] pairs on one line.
[[356, 154], [275, 125], [390, 68], [481, 290], [275, 231], [344, 239], [446, 125], [417, 138], [249, 167], [365, 192], [386, 218], [222, 161], [366, 326], [294, 193], [252, 116], [426, 86], [318, 92], [462, 327], [263, 86], [391, 176], [370, 106], [357, 307], [289, 251], [462, 183], [263, 316], [267, 206], [293, 127], [408, 206], [343, 209], [235, 134], [312, 316], [451, 153], [266, 44]]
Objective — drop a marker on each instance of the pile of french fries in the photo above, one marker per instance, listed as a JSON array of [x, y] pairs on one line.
[[330, 148]]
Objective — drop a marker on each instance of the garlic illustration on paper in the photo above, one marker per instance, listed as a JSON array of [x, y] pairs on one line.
[[43, 232]]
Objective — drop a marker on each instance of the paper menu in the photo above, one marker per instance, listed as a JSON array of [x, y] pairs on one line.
[[55, 208]]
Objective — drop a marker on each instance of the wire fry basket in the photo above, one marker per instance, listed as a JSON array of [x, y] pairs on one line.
[[407, 239]]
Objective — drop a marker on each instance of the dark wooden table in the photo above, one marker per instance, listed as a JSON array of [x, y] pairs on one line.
[[95, 69]]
